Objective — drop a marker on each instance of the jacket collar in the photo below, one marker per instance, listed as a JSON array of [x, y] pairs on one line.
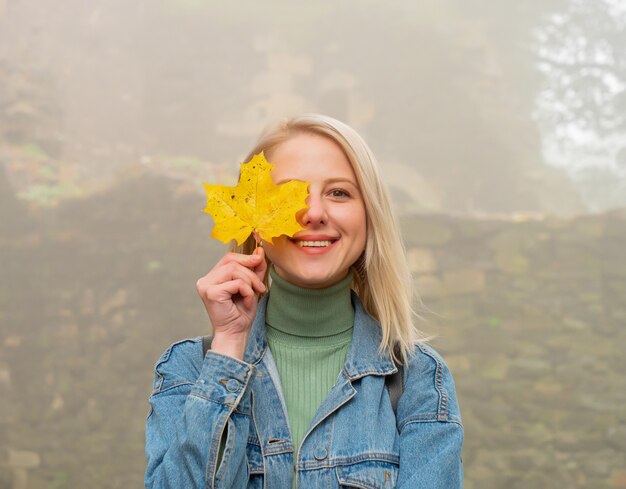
[[363, 357]]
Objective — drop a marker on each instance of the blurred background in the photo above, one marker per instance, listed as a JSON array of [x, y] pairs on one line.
[[501, 131]]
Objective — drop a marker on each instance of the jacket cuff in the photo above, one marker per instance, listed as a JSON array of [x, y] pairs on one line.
[[224, 380]]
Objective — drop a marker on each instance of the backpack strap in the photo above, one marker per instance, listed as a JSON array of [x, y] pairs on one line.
[[395, 386], [394, 382], [206, 344]]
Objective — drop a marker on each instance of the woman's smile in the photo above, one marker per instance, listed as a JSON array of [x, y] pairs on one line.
[[314, 245]]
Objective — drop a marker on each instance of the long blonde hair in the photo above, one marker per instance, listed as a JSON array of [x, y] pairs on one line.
[[382, 278]]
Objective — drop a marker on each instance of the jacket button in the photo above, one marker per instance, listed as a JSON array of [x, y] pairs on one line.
[[320, 453], [232, 385]]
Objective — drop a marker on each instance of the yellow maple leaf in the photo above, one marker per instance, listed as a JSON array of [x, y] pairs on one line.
[[255, 204]]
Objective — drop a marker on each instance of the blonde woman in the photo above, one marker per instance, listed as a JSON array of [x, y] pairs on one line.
[[316, 376]]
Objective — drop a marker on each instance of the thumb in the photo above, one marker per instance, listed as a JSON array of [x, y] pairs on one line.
[[261, 268]]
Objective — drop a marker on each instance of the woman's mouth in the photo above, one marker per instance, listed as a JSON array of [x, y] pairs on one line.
[[315, 244]]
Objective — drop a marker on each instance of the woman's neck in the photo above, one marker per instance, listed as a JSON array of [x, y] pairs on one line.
[[307, 312]]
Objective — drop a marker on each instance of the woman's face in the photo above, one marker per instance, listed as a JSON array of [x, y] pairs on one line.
[[334, 231]]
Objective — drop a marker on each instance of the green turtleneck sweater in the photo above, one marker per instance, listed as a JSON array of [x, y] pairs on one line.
[[309, 332]]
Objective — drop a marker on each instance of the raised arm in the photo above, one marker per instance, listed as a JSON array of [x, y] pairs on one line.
[[194, 404], [198, 426]]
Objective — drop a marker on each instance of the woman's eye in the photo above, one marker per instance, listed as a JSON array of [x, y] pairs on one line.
[[337, 192]]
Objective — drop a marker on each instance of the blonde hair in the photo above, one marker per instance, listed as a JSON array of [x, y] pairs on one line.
[[382, 278]]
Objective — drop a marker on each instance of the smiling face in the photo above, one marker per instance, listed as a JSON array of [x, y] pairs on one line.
[[334, 231]]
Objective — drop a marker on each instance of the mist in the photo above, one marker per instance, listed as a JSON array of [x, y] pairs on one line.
[[500, 128]]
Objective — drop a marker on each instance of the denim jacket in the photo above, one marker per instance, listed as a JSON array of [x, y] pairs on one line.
[[354, 440]]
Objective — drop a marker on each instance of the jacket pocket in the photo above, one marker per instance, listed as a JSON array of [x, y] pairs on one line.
[[371, 474]]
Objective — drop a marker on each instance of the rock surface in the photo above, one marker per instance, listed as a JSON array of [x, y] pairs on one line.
[[529, 314]]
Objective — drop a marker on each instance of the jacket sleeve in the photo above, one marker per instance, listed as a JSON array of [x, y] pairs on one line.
[[429, 422], [194, 403]]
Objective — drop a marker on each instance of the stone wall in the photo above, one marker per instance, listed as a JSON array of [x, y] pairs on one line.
[[530, 316]]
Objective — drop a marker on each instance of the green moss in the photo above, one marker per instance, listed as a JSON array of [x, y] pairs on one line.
[[153, 265], [41, 194], [60, 480], [188, 163], [47, 195], [47, 171], [494, 322], [34, 150]]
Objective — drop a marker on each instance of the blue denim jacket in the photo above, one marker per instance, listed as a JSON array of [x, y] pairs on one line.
[[354, 439]]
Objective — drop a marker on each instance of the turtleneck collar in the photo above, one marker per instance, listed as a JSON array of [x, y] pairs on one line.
[[313, 313]]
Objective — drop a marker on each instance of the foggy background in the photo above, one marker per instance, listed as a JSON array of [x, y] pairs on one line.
[[500, 128]]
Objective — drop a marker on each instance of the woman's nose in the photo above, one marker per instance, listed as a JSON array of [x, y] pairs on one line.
[[315, 213]]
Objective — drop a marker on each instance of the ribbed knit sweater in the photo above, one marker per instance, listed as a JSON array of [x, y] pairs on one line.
[[309, 332]]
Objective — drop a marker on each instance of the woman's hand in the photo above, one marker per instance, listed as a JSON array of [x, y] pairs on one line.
[[230, 293]]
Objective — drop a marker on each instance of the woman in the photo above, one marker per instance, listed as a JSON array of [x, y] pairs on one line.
[[292, 392]]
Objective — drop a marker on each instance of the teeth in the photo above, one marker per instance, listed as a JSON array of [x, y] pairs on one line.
[[314, 243]]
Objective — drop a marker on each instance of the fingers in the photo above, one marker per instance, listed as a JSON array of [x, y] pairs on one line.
[[261, 268], [232, 267], [235, 265], [242, 288], [249, 261]]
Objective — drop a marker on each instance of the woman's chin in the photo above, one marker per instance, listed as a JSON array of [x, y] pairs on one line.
[[316, 280]]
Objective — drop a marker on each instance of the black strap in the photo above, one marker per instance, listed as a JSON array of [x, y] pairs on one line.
[[395, 386], [394, 382], [206, 344]]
